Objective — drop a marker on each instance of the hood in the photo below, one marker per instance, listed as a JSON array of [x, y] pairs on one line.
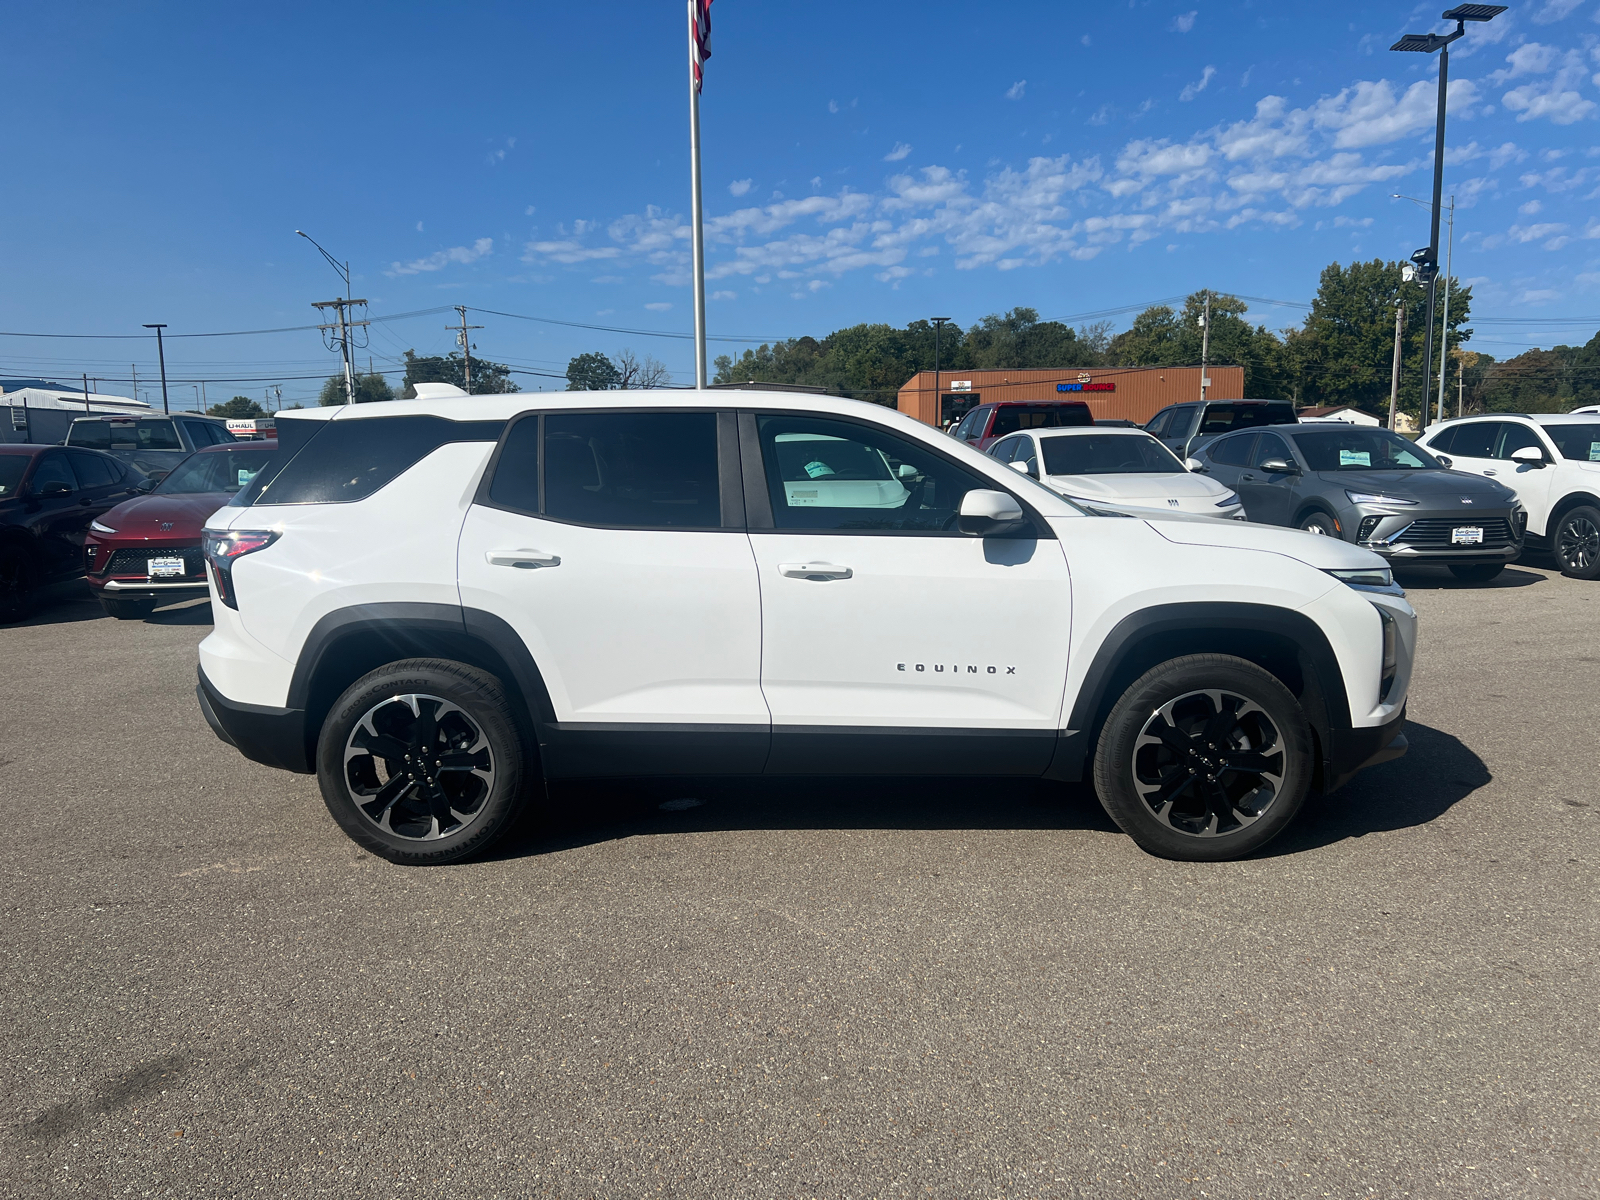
[[1323, 553], [1155, 487], [143, 516], [1427, 485]]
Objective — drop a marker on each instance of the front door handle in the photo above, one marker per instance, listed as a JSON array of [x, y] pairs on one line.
[[526, 560], [1245, 475], [1488, 472], [821, 572]]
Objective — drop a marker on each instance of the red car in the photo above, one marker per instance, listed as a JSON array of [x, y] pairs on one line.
[[146, 551], [987, 423]]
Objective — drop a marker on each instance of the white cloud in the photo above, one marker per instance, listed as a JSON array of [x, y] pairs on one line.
[[529, 211], [1195, 88], [724, 295], [1085, 40], [444, 258], [1530, 58], [1369, 114], [900, 151], [1352, 223], [1535, 233], [833, 106], [1555, 10], [1183, 22], [739, 187], [1530, 208], [1017, 90], [419, 226], [659, 306], [1506, 153]]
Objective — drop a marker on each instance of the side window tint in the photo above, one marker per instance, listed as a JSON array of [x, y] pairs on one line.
[[641, 470], [95, 434], [1158, 423], [516, 475], [1440, 443], [1475, 440], [1516, 437], [836, 475], [1218, 418], [92, 470], [53, 468], [349, 459], [1007, 420], [1183, 422], [1269, 445], [1233, 451]]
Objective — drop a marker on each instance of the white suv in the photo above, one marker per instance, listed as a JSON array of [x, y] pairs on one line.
[[1552, 462], [436, 604]]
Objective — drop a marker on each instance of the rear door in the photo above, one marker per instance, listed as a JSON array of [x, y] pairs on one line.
[[62, 520], [612, 544], [1227, 459], [892, 643]]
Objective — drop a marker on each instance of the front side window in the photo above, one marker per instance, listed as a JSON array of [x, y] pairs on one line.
[[825, 474], [1269, 446], [1517, 437], [1183, 423], [971, 427], [1362, 449], [219, 471], [1006, 450], [53, 468], [1107, 454], [1233, 451], [11, 468], [1157, 426], [1578, 442]]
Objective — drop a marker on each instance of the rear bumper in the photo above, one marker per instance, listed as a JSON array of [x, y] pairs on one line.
[[1357, 749], [274, 737]]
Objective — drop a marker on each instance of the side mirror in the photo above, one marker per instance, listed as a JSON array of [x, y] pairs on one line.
[[1195, 465], [56, 488], [1279, 466], [144, 486], [907, 470], [1530, 456], [986, 513], [1446, 463], [1019, 466]]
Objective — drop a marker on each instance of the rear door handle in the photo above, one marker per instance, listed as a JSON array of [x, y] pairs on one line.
[[526, 560], [821, 572]]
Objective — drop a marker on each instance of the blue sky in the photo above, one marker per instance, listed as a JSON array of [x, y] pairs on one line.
[[863, 162]]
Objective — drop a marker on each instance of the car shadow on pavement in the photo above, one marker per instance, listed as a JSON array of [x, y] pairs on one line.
[[1438, 772], [61, 604], [1438, 579]]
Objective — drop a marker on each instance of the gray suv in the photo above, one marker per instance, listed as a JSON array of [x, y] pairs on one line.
[[1184, 428], [1374, 488], [151, 445]]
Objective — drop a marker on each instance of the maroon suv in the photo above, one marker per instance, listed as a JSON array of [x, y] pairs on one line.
[[988, 422]]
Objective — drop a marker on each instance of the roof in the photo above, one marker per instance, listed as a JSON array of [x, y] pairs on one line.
[[1576, 418], [1327, 410]]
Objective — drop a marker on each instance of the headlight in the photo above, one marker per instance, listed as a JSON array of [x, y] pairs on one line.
[[1229, 500], [99, 528], [1377, 498], [1371, 578]]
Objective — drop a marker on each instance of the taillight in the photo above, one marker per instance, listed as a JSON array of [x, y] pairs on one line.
[[224, 548]]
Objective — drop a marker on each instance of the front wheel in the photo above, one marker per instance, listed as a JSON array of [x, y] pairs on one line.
[[1319, 523], [1476, 572], [1204, 758], [422, 762], [1577, 543]]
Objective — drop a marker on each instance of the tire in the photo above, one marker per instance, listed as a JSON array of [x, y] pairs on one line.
[[472, 785], [1160, 791], [128, 610], [1319, 523], [1477, 572], [18, 585], [1577, 543]]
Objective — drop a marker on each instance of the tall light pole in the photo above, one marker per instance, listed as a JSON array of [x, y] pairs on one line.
[[340, 304], [1205, 345], [938, 327], [1449, 268], [162, 355], [1427, 258]]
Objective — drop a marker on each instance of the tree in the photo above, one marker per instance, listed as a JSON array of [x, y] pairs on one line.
[[631, 373], [1161, 337], [1020, 340], [369, 388], [488, 378], [592, 372], [238, 409]]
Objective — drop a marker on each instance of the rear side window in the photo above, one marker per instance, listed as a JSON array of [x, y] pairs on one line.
[[1233, 451], [1440, 442], [349, 460], [94, 434], [1475, 440]]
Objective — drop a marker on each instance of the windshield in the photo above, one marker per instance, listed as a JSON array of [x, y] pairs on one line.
[[223, 471], [1581, 442], [1107, 454], [11, 468], [1362, 449]]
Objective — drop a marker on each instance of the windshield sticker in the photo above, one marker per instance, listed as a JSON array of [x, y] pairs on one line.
[[1355, 458], [1594, 451], [246, 476]]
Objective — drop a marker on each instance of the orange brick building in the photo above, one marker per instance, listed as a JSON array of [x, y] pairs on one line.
[[1129, 393]]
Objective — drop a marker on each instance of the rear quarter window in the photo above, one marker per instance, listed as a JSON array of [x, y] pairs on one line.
[[349, 460]]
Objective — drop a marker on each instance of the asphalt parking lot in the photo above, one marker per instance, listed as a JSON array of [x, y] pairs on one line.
[[829, 988]]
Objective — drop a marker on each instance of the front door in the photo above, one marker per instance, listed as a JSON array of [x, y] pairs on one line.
[[1269, 496], [607, 543], [1532, 482], [893, 643], [63, 516]]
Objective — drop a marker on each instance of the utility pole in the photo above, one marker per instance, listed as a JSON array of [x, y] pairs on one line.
[[1205, 344], [938, 327], [1461, 383], [1444, 333], [344, 325], [205, 401], [466, 343], [86, 407], [1394, 372], [134, 367], [162, 355]]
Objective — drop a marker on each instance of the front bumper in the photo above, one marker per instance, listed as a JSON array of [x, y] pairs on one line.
[[1357, 749], [1426, 535], [274, 737]]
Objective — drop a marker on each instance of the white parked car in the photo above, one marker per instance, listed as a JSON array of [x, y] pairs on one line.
[[1120, 468], [1552, 462], [437, 604]]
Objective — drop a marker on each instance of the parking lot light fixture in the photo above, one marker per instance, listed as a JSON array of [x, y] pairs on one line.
[[1427, 260], [938, 327]]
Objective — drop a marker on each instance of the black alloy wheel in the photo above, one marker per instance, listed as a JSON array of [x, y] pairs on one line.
[[1476, 572], [18, 583], [422, 762], [1204, 758], [1577, 543]]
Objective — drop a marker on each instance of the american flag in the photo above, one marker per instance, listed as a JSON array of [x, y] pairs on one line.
[[699, 38]]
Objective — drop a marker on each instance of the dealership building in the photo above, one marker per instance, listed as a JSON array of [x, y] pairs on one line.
[[1125, 393]]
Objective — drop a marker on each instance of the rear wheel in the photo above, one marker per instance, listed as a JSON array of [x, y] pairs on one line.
[[1319, 523], [128, 610], [18, 582], [422, 762], [1476, 572], [1204, 758], [1577, 543]]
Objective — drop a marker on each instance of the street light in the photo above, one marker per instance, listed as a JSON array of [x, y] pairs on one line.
[[1427, 258], [344, 338], [1449, 271], [938, 327]]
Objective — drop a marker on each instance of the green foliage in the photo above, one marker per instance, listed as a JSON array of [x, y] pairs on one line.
[[1554, 380], [592, 372], [1020, 340], [1160, 337], [488, 378], [369, 388], [238, 409]]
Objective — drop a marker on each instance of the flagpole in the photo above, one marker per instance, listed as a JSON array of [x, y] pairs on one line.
[[699, 236]]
